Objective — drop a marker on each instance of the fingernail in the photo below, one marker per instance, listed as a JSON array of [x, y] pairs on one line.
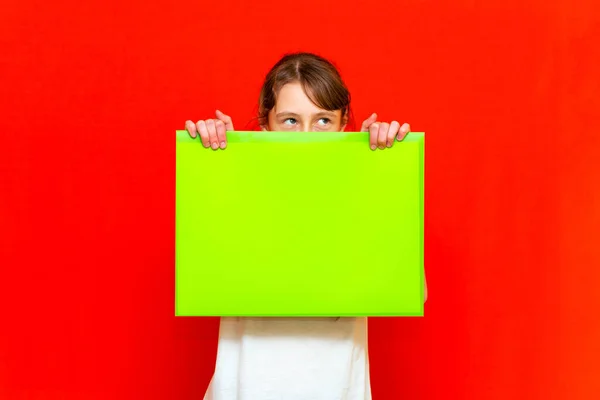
[[389, 145], [223, 144], [373, 147], [381, 147], [215, 146]]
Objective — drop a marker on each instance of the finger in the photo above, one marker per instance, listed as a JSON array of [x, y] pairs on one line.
[[382, 135], [191, 128], [368, 122], [212, 134], [404, 130], [221, 133], [201, 126], [373, 132], [226, 120], [394, 128]]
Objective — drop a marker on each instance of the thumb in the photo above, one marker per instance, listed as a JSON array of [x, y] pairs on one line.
[[368, 122], [226, 120]]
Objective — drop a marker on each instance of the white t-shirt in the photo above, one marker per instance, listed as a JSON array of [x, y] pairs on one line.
[[291, 359]]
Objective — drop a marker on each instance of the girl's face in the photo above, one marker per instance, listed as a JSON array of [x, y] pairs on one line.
[[294, 111]]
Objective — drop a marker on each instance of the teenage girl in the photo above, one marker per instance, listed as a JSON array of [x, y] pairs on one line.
[[295, 358]]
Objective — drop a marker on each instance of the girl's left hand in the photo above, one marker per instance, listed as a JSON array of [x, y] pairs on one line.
[[382, 134]]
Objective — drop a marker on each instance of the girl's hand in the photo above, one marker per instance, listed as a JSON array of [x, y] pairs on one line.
[[212, 131], [382, 134]]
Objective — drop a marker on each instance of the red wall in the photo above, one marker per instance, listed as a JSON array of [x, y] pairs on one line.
[[507, 92]]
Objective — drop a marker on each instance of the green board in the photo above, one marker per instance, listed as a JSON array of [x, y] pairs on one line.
[[299, 224]]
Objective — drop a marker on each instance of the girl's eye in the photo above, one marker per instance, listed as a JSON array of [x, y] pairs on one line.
[[324, 121], [290, 121]]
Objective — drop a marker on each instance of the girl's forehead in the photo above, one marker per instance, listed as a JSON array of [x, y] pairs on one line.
[[292, 93], [291, 98]]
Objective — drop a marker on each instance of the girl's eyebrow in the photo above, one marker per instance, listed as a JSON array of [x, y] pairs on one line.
[[325, 114], [286, 113]]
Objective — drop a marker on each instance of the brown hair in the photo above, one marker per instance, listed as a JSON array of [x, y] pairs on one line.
[[319, 78]]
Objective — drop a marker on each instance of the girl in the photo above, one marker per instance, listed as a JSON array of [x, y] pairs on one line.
[[295, 358]]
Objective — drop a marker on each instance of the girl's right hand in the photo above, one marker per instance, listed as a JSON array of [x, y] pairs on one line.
[[212, 131]]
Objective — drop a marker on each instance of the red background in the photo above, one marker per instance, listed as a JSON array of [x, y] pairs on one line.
[[507, 91]]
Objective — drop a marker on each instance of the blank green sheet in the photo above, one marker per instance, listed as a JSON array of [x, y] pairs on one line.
[[299, 224]]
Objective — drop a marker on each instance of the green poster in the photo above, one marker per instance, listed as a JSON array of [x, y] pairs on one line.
[[299, 224]]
